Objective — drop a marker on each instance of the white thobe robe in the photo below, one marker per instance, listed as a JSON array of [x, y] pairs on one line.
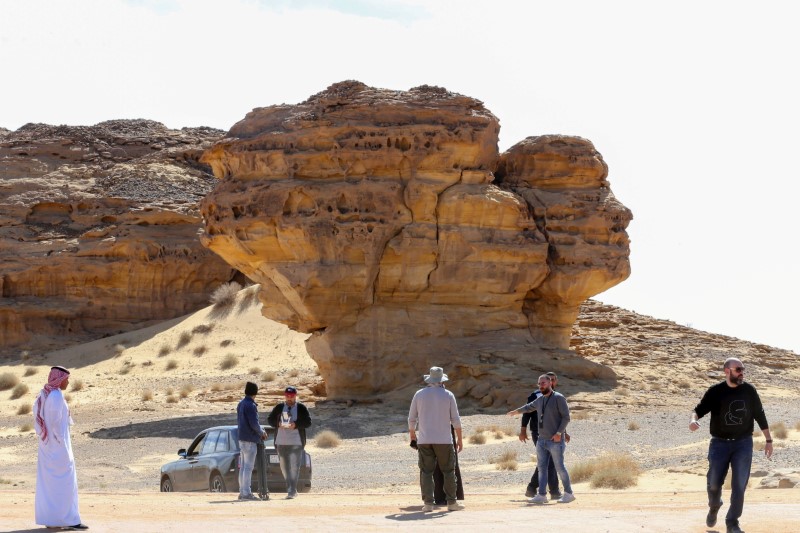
[[56, 479]]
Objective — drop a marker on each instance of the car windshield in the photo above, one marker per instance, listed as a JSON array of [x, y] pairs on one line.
[[269, 443]]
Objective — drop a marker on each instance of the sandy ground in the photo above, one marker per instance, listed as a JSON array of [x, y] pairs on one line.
[[769, 512], [144, 394]]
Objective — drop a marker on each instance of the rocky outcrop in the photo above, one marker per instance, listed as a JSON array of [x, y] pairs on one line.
[[387, 224], [99, 230]]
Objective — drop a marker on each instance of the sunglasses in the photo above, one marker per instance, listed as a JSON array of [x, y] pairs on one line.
[[739, 369]]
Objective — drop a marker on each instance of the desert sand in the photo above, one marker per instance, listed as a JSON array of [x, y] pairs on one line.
[[144, 394]]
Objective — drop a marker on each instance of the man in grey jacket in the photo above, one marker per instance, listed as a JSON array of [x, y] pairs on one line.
[[433, 410], [553, 419]]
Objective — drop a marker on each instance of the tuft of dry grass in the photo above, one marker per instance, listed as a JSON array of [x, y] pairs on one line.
[[164, 351], [147, 395], [199, 351], [77, 385], [217, 387], [224, 296], [610, 470], [29, 371], [19, 391], [172, 364], [186, 389], [477, 438], [622, 392], [269, 376], [183, 339], [24, 409], [797, 426], [327, 439], [68, 397], [119, 349], [226, 343], [779, 430], [293, 373], [254, 371], [147, 363], [578, 415], [633, 426], [505, 461], [203, 329], [171, 399], [8, 381], [24, 428], [228, 362]]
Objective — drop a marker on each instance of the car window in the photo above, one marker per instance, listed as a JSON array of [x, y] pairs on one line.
[[197, 445], [222, 442], [211, 442], [270, 442]]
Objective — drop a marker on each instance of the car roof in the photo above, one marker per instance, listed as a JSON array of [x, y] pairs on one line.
[[265, 426]]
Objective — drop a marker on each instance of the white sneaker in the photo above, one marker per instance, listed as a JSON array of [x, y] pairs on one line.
[[455, 507], [566, 498], [539, 498], [427, 508]]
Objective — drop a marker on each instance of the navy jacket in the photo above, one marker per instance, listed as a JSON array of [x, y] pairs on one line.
[[247, 418]]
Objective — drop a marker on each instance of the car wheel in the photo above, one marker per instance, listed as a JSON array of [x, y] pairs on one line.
[[216, 483], [166, 485]]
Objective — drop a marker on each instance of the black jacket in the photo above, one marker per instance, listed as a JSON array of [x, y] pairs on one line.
[[303, 419]]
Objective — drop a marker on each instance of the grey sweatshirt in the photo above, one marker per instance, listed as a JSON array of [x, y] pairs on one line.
[[553, 414]]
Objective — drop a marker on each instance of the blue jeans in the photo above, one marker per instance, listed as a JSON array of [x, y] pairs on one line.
[[552, 477], [290, 457], [738, 454], [547, 450], [247, 463]]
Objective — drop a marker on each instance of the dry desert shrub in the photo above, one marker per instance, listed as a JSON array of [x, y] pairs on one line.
[[779, 430], [226, 343], [199, 351], [622, 392], [8, 381], [633, 426], [327, 439], [68, 397], [77, 385], [477, 438], [147, 395], [293, 373], [24, 409], [249, 298], [172, 364], [505, 461], [119, 349], [224, 296], [164, 350], [797, 426], [186, 389], [147, 363], [228, 362], [4, 481], [203, 329], [269, 376], [29, 371], [171, 399], [578, 415], [216, 387], [610, 470], [124, 370], [183, 339], [24, 428], [19, 391], [254, 371]]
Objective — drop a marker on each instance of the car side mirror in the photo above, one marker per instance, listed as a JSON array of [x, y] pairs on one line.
[[182, 452]]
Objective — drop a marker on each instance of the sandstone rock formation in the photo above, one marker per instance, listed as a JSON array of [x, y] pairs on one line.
[[98, 230], [387, 224]]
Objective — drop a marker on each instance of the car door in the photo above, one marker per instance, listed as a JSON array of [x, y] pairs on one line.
[[206, 460], [182, 475]]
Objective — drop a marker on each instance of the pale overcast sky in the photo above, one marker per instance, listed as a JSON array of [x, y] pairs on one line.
[[693, 104]]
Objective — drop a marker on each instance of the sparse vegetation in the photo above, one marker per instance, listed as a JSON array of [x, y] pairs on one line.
[[68, 397], [797, 426], [216, 387], [610, 470], [124, 370], [170, 391], [19, 391], [228, 362], [224, 296], [203, 329], [779, 430], [622, 392], [199, 351], [183, 339], [171, 399], [147, 395], [172, 364], [633, 426], [164, 350], [293, 373], [29, 371], [226, 343], [505, 461], [269, 376], [477, 438], [254, 371], [119, 349], [186, 389], [327, 439], [249, 297], [24, 428], [8, 381], [24, 409], [147, 363], [77, 385]]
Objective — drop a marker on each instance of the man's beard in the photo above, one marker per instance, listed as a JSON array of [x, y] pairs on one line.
[[544, 390], [738, 379]]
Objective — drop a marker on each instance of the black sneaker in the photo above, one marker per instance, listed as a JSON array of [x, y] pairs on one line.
[[711, 517], [555, 495], [530, 491], [734, 528]]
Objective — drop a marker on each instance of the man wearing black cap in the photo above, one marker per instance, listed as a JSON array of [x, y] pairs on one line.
[[291, 418], [250, 433]]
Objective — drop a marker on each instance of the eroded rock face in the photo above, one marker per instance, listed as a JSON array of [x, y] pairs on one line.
[[99, 230], [372, 218]]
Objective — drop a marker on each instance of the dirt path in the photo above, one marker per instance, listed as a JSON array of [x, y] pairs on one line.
[[775, 511]]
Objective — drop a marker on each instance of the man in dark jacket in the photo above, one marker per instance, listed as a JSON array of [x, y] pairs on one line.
[[291, 418], [250, 433], [733, 405]]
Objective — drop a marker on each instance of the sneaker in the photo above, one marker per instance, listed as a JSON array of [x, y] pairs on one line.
[[539, 498], [555, 495], [530, 491], [455, 506], [734, 528], [291, 496], [250, 497], [711, 517], [265, 497], [567, 497], [427, 508]]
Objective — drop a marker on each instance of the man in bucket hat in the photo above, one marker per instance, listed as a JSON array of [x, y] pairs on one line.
[[433, 410]]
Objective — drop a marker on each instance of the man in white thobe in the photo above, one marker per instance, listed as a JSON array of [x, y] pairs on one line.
[[56, 501]]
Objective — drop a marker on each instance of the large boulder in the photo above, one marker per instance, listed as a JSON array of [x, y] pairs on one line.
[[373, 219]]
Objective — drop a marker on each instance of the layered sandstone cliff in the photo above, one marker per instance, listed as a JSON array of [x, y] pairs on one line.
[[387, 224], [99, 230]]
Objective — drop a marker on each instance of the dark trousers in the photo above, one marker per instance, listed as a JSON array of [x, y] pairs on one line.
[[722, 454], [552, 475], [439, 497]]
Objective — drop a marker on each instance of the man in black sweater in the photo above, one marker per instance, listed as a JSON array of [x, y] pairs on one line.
[[733, 405]]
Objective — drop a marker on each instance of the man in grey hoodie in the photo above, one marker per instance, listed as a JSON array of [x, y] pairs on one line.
[[553, 419]]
